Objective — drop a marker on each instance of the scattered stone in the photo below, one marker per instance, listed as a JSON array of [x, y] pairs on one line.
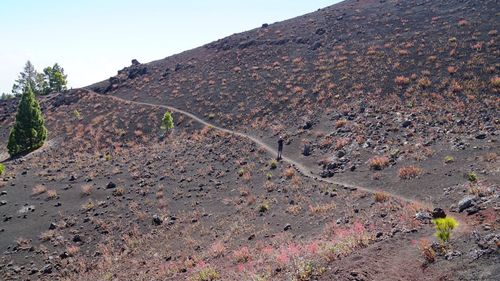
[[465, 203], [111, 185], [307, 150], [3, 202], [406, 124], [52, 226], [135, 62], [423, 216], [47, 269], [481, 136], [320, 31], [265, 25], [72, 178], [25, 209], [438, 213], [287, 227], [327, 174], [473, 210], [452, 254], [77, 238], [307, 125], [475, 254], [316, 46], [157, 220]]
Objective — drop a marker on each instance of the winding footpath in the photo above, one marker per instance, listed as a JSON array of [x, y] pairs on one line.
[[462, 226], [298, 166]]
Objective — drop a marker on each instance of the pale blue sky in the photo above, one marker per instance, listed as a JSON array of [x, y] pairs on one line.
[[93, 39]]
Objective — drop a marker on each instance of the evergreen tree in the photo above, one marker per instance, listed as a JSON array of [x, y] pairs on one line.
[[55, 79], [28, 77], [6, 96], [51, 80], [29, 132], [167, 122]]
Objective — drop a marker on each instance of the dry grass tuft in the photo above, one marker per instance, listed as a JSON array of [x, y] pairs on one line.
[[38, 189], [51, 194], [86, 189], [289, 173], [378, 162], [381, 196], [409, 172], [401, 80]]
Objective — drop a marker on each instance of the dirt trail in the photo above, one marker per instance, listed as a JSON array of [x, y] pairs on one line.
[[298, 166], [463, 226]]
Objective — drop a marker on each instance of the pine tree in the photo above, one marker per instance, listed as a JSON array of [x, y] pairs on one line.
[[28, 77], [29, 132], [167, 122], [55, 79]]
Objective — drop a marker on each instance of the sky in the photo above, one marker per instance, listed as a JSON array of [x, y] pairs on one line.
[[93, 39]]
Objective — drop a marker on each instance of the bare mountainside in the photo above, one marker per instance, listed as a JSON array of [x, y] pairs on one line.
[[388, 109]]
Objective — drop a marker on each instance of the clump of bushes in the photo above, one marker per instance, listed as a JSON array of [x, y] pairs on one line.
[[2, 169], [273, 164]]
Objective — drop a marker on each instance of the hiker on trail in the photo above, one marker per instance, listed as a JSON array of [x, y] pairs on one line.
[[280, 148]]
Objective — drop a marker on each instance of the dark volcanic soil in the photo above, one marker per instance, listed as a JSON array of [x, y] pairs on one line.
[[397, 102]]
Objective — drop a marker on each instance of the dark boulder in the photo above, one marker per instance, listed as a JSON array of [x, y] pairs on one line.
[[327, 174], [438, 213], [136, 71], [307, 150], [157, 220], [246, 44], [481, 136], [320, 31], [316, 46], [406, 123]]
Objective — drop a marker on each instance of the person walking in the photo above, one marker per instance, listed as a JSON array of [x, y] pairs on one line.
[[280, 148]]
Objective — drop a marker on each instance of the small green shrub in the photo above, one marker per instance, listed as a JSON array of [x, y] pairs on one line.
[[444, 226], [472, 177], [167, 123], [77, 115], [273, 164], [264, 207], [207, 274], [241, 172], [269, 176], [2, 169], [107, 157], [449, 159]]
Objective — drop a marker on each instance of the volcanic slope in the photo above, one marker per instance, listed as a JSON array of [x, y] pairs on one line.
[[396, 101]]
